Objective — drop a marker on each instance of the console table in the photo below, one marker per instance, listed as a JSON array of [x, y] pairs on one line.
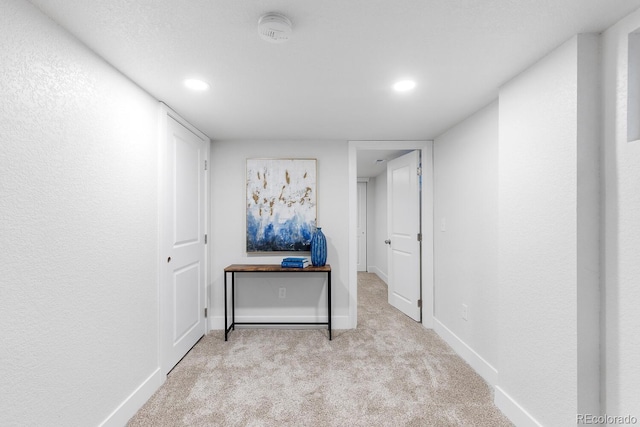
[[270, 268]]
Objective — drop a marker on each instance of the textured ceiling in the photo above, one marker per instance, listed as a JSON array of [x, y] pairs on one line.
[[332, 79]]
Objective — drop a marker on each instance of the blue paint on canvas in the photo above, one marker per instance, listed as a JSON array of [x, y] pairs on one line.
[[290, 235]]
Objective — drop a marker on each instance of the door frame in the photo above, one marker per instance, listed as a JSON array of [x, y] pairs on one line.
[[165, 113], [427, 291]]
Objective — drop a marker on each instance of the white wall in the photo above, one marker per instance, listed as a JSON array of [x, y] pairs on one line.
[[377, 225], [543, 201], [466, 257], [380, 248], [78, 220], [621, 343], [258, 294], [369, 186]]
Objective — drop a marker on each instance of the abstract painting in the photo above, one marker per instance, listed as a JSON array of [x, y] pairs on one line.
[[281, 204]]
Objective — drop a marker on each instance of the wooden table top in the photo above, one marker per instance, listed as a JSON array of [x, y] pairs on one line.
[[251, 268]]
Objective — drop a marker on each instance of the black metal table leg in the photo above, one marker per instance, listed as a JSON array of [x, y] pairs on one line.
[[329, 302], [225, 306]]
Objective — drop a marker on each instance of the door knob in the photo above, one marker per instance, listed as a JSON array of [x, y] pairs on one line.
[[387, 242]]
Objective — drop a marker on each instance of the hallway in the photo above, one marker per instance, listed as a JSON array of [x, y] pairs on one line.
[[389, 371]]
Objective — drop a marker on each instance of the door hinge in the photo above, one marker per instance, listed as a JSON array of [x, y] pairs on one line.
[[419, 237], [419, 303], [419, 171], [205, 239], [205, 165], [205, 312]]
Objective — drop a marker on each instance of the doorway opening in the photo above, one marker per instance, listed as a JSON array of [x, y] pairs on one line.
[[363, 156]]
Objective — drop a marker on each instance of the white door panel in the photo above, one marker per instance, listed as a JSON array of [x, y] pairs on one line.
[[403, 216], [187, 180], [186, 309], [183, 246]]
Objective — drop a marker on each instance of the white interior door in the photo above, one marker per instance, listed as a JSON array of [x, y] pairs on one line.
[[183, 247], [403, 216], [362, 226]]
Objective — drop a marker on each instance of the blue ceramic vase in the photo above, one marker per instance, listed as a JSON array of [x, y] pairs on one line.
[[318, 248]]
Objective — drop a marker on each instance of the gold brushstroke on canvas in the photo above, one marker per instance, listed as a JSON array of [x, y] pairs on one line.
[[306, 196]]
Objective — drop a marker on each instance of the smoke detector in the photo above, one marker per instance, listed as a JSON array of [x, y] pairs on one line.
[[274, 28]]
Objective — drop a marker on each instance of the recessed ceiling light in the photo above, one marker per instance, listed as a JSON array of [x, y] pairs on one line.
[[404, 85], [196, 84]]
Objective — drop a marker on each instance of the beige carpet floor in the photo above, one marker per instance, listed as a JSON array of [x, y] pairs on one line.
[[390, 371]]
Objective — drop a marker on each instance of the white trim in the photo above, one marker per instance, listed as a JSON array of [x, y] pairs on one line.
[[163, 113], [516, 413], [208, 232], [135, 400], [352, 272], [426, 148], [428, 276], [167, 111], [378, 272], [481, 366]]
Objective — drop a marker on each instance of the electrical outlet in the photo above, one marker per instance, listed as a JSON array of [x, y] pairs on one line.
[[465, 312], [282, 293]]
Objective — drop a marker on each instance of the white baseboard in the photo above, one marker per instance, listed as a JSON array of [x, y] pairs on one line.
[[512, 410], [378, 272], [481, 366], [337, 322], [128, 408]]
